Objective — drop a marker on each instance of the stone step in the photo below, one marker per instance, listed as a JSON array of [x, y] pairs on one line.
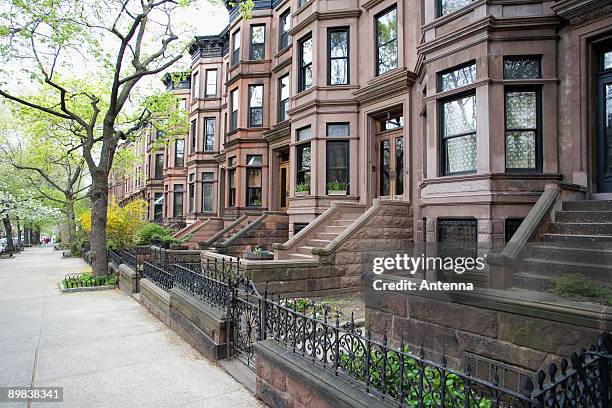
[[333, 228], [556, 268], [319, 243], [581, 228], [326, 235], [301, 257], [577, 240], [588, 205], [531, 281], [305, 250], [583, 216], [341, 223], [568, 254]]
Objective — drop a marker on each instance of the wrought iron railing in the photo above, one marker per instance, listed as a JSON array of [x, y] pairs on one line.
[[129, 259], [160, 276], [209, 286], [115, 257]]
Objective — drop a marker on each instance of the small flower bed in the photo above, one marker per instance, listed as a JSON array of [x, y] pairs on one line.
[[87, 280]]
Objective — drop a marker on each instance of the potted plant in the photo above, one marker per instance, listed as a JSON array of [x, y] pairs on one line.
[[302, 189], [337, 188], [258, 253]]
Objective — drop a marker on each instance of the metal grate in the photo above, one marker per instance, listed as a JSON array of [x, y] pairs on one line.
[[458, 237], [510, 377]]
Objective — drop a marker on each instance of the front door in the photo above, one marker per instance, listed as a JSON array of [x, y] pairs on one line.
[[390, 149], [283, 188], [604, 131]]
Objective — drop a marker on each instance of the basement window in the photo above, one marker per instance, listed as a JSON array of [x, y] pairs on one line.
[[510, 377]]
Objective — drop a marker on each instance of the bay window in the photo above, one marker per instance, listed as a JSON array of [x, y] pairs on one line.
[[338, 56], [386, 41], [305, 63], [255, 105]]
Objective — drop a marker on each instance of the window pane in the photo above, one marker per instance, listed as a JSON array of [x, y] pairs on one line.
[[387, 57], [307, 52], [386, 27], [305, 158], [460, 116], [461, 154], [207, 197], [337, 129], [449, 6], [208, 176], [307, 77], [303, 134], [179, 153], [285, 22], [234, 100], [524, 68], [521, 110], [256, 117], [284, 85], [258, 34], [254, 160], [236, 39], [338, 43], [338, 71], [209, 143], [393, 123], [257, 51], [256, 96], [458, 78], [399, 166], [607, 60], [211, 82], [521, 150]]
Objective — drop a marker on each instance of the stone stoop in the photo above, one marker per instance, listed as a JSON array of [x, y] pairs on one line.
[[262, 231], [578, 241], [201, 230]]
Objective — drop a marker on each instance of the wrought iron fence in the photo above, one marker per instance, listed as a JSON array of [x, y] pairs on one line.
[[114, 257], [129, 259], [76, 280], [207, 285], [160, 276]]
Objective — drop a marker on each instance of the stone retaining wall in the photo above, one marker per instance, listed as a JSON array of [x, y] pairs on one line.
[[527, 334], [156, 300], [128, 279]]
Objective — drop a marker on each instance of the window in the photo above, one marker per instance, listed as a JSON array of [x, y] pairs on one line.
[[258, 39], [522, 124], [458, 125], [303, 165], [386, 41], [337, 130], [457, 77], [253, 187], [179, 152], [255, 105], [182, 104], [458, 238], [209, 134], [207, 191], [234, 110], [449, 6], [303, 133], [302, 2], [178, 201], [338, 56], [337, 170], [235, 47], [159, 166], [211, 83], [510, 227], [194, 135], [305, 66], [195, 86], [191, 192], [283, 98], [395, 122], [399, 166], [231, 176], [606, 60], [522, 67], [284, 26], [298, 226], [158, 206]]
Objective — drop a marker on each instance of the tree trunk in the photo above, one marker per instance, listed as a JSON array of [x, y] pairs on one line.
[[26, 236], [36, 237], [10, 248], [99, 212], [18, 232], [71, 222]]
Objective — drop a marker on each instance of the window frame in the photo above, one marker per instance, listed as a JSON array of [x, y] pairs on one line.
[[206, 134], [252, 44], [250, 167], [283, 36], [193, 136], [303, 68], [300, 172], [174, 199], [205, 182], [442, 141], [253, 108], [439, 8], [176, 155], [340, 141], [346, 30], [281, 114], [537, 89], [208, 72], [195, 85], [233, 125], [533, 57], [235, 57], [159, 167], [378, 45], [452, 69]]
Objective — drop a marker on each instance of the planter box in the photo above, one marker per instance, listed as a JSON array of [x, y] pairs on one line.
[[336, 192], [263, 256], [301, 193]]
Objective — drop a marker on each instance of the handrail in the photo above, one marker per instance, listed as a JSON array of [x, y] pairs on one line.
[[530, 225], [207, 243], [297, 238], [256, 222]]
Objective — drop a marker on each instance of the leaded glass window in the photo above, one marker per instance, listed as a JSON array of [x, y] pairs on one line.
[[304, 133], [338, 65], [521, 114], [458, 77], [522, 68], [459, 135], [337, 130], [258, 39], [255, 105], [386, 41], [305, 80], [450, 6]]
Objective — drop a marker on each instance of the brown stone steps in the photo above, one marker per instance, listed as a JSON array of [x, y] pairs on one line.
[[583, 216], [581, 228], [557, 268], [553, 252], [587, 205], [341, 223], [305, 250], [333, 229], [576, 240], [319, 243], [330, 236], [300, 257]]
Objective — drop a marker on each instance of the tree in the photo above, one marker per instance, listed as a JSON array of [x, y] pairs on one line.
[[125, 41]]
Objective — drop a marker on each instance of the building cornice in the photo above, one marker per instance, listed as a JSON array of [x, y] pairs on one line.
[[581, 11], [389, 84], [278, 132], [243, 75], [330, 15]]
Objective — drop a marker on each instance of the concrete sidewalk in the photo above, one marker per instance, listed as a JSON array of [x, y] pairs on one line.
[[103, 347]]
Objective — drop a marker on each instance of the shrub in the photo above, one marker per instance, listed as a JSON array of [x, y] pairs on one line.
[[337, 186], [155, 234], [577, 286]]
